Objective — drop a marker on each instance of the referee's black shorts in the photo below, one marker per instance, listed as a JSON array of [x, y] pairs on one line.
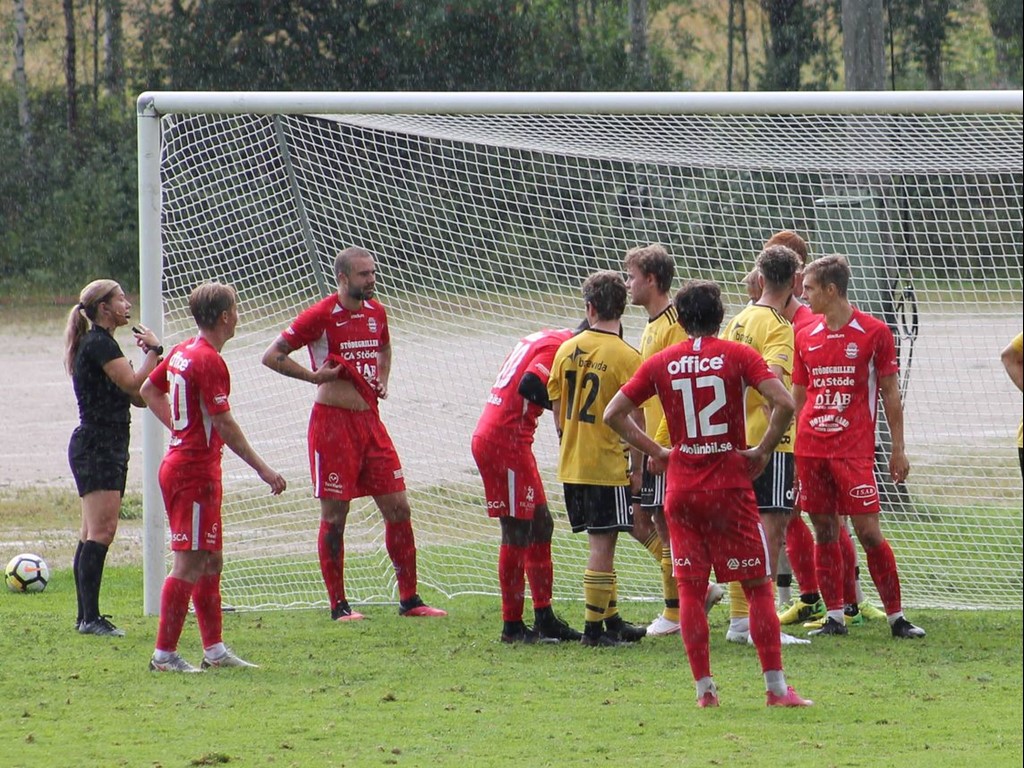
[[98, 455]]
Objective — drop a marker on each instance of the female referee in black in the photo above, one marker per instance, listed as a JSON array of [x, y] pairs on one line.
[[105, 386]]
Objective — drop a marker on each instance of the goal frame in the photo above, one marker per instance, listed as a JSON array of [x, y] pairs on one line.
[[151, 106]]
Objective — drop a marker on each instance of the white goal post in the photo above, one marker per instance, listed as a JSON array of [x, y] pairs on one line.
[[486, 210]]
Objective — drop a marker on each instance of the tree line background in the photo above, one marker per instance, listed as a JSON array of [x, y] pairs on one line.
[[68, 208]]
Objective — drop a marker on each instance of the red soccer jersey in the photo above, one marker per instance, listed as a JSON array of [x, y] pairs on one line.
[[330, 330], [841, 370], [197, 380], [507, 415], [700, 383], [802, 316]]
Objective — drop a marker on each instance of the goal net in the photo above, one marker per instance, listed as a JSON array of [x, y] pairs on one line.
[[485, 213]]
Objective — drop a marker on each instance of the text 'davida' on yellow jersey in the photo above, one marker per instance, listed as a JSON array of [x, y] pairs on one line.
[[764, 329], [661, 331], [588, 370]]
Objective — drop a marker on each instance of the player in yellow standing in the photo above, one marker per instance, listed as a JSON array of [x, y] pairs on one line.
[[649, 274], [593, 467], [764, 327]]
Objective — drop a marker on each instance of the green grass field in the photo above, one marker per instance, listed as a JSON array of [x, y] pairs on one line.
[[403, 692]]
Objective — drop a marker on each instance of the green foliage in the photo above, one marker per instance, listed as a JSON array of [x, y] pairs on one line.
[[68, 214], [401, 692]]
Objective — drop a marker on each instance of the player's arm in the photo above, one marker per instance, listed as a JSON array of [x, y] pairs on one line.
[[533, 389], [277, 357], [899, 464], [782, 405], [556, 413], [157, 401], [383, 370], [620, 415], [234, 439], [1013, 362]]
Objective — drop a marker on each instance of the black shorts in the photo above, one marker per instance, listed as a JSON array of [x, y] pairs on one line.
[[652, 491], [98, 456], [774, 486], [598, 508]]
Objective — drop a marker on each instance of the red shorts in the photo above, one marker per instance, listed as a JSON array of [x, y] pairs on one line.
[[193, 509], [716, 529], [512, 484], [351, 455], [837, 486]]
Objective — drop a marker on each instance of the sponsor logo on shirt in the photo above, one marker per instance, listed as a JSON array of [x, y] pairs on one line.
[[695, 364], [682, 562]]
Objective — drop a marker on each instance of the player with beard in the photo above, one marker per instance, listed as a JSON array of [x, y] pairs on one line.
[[351, 454]]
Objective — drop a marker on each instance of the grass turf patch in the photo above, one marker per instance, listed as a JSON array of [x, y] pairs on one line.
[[410, 692]]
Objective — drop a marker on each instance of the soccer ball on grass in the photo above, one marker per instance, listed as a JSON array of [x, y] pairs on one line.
[[26, 573]]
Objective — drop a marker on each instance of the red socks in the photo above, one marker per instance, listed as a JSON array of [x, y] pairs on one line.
[[173, 608], [206, 599], [401, 546], [330, 547], [540, 573]]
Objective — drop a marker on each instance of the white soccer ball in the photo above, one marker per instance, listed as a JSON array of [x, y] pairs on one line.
[[26, 573]]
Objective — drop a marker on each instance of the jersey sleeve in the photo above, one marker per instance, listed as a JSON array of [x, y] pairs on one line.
[[886, 361], [799, 370], [755, 369], [158, 376], [214, 384], [542, 363], [306, 328], [105, 349], [640, 386], [554, 379], [778, 348]]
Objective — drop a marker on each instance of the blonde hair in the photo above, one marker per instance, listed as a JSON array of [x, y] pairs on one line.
[[208, 301], [81, 315]]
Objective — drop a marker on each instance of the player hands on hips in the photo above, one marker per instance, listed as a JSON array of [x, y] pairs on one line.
[[710, 506]]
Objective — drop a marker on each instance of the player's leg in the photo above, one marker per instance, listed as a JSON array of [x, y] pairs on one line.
[[330, 549], [495, 460], [100, 511], [187, 567], [381, 477], [400, 542], [818, 497], [649, 515], [856, 481], [540, 575], [884, 574], [800, 553], [334, 463], [515, 538]]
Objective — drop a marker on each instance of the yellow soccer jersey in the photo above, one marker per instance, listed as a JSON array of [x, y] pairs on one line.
[[587, 371], [661, 331], [764, 329], [1018, 344]]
